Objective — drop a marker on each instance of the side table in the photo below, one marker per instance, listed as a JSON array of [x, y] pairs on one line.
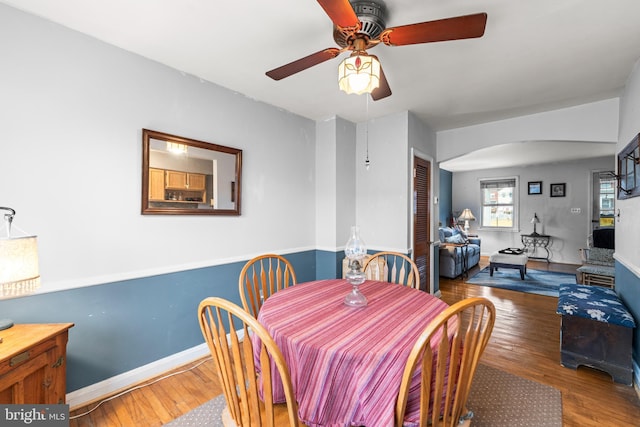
[[464, 252], [33, 359], [532, 242]]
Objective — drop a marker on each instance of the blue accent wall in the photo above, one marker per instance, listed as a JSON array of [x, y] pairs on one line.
[[628, 288], [123, 325], [445, 206], [329, 264]]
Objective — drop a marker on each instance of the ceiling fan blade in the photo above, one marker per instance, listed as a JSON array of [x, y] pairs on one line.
[[460, 27], [383, 90], [340, 12], [303, 63]]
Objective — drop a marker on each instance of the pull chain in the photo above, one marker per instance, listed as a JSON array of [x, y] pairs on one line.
[[367, 163]]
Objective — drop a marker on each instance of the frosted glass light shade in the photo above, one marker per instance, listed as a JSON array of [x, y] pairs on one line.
[[359, 74], [355, 247], [19, 270]]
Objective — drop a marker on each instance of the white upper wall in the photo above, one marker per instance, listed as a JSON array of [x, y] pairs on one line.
[[382, 191], [594, 122], [335, 182], [627, 225], [326, 148], [72, 112]]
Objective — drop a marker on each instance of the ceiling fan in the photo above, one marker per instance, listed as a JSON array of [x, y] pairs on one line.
[[360, 25]]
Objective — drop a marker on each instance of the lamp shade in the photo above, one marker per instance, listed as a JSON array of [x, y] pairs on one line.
[[359, 73], [19, 271], [467, 215], [535, 221]]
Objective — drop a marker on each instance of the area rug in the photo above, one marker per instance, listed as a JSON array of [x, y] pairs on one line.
[[206, 415], [500, 399], [535, 281], [497, 399]]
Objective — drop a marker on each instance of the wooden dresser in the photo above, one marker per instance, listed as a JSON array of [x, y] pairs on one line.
[[33, 359]]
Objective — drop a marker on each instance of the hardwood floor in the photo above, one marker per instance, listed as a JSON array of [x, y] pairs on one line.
[[525, 342]]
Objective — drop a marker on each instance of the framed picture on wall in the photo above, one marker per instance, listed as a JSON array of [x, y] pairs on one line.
[[535, 187], [558, 190]]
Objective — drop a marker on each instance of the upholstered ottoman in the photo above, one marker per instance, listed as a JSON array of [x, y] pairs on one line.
[[596, 330], [504, 260]]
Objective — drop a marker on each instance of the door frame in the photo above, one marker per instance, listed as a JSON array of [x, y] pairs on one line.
[[417, 153]]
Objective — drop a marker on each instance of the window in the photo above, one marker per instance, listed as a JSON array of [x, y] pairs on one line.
[[498, 199], [607, 199]]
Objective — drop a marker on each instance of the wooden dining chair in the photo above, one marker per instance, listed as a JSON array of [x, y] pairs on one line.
[[400, 269], [261, 277], [447, 353], [227, 329]]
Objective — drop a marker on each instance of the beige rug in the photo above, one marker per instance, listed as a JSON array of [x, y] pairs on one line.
[[497, 399], [500, 399]]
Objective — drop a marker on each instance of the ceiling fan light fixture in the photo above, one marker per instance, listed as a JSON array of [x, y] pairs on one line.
[[176, 148], [359, 73]]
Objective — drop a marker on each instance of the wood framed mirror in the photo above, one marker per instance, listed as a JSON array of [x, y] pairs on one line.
[[183, 176]]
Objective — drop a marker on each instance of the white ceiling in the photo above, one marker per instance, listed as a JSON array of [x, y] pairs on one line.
[[535, 55]]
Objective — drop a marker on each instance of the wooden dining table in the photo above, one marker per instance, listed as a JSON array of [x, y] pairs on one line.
[[346, 363]]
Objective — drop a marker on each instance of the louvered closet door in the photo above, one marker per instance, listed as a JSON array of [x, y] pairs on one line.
[[421, 220]]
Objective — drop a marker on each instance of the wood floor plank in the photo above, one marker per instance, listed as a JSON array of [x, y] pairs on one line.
[[525, 342]]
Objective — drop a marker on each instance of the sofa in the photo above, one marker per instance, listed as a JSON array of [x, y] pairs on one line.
[[451, 255]]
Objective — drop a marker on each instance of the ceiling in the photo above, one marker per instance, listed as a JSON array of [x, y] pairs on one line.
[[528, 153], [535, 55]]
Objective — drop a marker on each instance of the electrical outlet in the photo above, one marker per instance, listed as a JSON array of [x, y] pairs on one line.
[[576, 210]]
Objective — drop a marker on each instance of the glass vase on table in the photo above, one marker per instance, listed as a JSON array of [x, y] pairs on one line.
[[355, 251]]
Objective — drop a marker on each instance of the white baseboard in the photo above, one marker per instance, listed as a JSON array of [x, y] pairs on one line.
[[111, 385]]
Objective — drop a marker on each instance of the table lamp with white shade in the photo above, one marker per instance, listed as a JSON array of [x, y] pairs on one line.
[[467, 216], [535, 221], [19, 271]]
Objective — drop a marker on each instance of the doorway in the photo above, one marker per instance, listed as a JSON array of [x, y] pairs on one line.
[[422, 220], [603, 200]]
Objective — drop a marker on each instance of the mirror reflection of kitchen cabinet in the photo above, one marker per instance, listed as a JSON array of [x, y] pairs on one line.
[[177, 187], [177, 180], [196, 181], [156, 184]]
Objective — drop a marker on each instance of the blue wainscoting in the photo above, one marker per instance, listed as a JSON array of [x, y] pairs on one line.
[[124, 325], [328, 264], [628, 288]]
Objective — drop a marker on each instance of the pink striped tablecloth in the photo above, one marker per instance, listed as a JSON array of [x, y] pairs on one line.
[[346, 363]]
